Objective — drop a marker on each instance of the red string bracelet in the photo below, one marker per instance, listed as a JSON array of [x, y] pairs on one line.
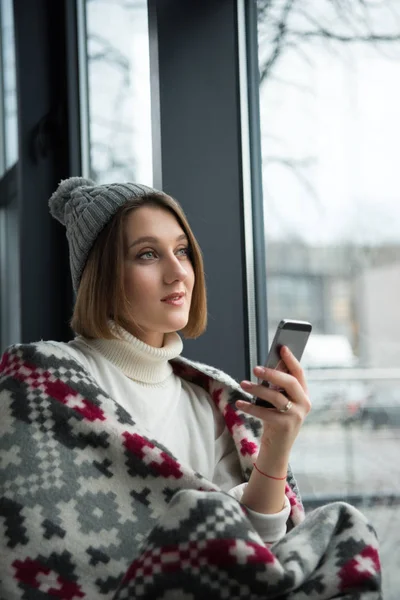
[[270, 476]]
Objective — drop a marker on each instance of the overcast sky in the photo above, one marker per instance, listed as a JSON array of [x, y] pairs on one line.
[[348, 121]]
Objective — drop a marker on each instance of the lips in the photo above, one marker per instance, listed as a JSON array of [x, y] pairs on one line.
[[173, 297]]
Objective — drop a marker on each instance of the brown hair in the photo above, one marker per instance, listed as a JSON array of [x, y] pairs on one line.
[[101, 293]]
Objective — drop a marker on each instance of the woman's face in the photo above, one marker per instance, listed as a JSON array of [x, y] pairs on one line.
[[158, 273]]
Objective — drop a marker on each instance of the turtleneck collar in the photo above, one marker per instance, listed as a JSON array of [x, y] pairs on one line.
[[137, 360]]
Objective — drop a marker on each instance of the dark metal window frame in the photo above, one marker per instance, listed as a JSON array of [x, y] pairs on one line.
[[39, 301]]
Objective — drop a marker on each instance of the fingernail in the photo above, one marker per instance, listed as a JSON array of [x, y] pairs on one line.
[[242, 405], [246, 383], [259, 370]]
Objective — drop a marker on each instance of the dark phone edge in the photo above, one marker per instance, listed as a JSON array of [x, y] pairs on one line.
[[263, 403], [297, 326]]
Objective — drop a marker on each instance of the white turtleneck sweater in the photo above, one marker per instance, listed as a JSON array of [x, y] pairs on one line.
[[178, 414]]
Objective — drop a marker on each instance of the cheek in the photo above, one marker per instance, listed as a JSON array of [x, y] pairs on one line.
[[129, 278], [191, 278], [137, 284]]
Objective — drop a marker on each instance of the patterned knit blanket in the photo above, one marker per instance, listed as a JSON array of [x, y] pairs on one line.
[[92, 507]]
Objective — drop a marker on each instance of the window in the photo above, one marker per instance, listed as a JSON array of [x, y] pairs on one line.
[[8, 159], [300, 295], [8, 93], [115, 75], [330, 125]]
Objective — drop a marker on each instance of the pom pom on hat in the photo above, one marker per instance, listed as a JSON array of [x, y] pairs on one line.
[[59, 200]]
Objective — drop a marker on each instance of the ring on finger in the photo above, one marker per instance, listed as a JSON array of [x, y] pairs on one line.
[[287, 407]]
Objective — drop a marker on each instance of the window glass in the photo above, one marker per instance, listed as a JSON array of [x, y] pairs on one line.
[[330, 126], [8, 100], [8, 158], [118, 73]]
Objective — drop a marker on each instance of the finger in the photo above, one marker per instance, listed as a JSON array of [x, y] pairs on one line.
[[276, 398], [266, 414], [285, 381], [294, 366]]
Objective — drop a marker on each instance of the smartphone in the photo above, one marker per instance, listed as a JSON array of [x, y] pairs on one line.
[[294, 335]]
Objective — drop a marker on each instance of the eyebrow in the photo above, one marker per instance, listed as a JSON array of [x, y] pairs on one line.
[[154, 240]]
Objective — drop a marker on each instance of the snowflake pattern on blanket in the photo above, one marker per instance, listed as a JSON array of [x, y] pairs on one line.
[[92, 508]]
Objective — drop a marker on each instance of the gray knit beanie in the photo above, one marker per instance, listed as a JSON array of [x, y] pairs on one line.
[[85, 208]]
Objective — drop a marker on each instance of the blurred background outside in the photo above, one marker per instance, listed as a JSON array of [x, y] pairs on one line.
[[330, 127]]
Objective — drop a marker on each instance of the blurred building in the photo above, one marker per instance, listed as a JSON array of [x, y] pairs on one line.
[[379, 293], [342, 291]]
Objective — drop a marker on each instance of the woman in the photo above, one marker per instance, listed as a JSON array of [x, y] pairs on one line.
[[119, 453]]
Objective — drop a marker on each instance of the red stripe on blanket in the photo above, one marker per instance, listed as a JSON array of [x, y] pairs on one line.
[[216, 396], [189, 373], [4, 362], [247, 447], [36, 378], [32, 573], [232, 418], [189, 555], [359, 569], [158, 460], [293, 500], [8, 363]]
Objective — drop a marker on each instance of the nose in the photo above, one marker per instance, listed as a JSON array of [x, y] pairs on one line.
[[174, 270]]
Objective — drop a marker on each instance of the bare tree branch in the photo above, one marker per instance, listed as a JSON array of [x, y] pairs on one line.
[[278, 41], [277, 30], [297, 167], [301, 51], [299, 86], [368, 38], [299, 26], [109, 53]]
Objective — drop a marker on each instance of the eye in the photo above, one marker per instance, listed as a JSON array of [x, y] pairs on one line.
[[185, 252], [147, 255]]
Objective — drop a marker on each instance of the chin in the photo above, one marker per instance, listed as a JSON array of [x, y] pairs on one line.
[[176, 324]]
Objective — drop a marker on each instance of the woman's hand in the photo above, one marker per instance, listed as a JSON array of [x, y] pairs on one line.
[[280, 428], [265, 491]]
